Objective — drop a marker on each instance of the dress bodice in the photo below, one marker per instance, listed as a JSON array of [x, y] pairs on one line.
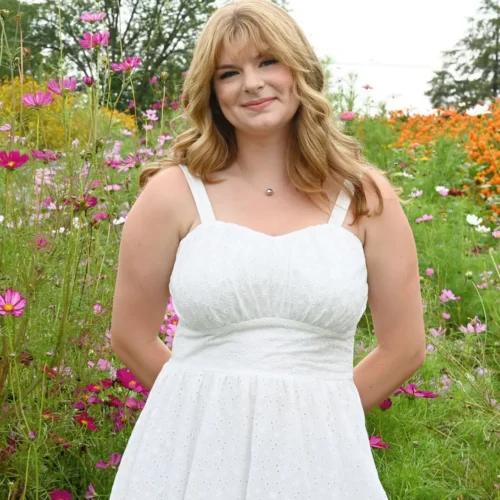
[[228, 278]]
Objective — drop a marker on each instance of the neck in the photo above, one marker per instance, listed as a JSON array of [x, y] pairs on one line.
[[261, 159]]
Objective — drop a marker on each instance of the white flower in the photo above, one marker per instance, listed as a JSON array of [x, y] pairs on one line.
[[2, 218], [478, 110], [76, 222], [119, 221], [473, 220], [406, 174], [483, 229]]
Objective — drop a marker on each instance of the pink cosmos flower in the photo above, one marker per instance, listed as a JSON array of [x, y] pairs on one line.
[[376, 442], [99, 39], [448, 295], [45, 155], [6, 127], [60, 495], [85, 420], [475, 326], [12, 303], [154, 80], [424, 218], [114, 460], [38, 99], [411, 390], [347, 115], [59, 87], [127, 379], [88, 80], [385, 404], [91, 493], [12, 160], [92, 18], [128, 64]]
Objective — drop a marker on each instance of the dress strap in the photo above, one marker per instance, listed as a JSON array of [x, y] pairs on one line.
[[200, 196], [342, 204]]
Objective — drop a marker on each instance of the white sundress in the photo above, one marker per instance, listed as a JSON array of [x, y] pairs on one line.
[[258, 400]]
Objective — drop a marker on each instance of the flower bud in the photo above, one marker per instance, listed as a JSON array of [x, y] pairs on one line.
[[105, 61], [99, 144], [164, 76], [4, 13], [88, 80]]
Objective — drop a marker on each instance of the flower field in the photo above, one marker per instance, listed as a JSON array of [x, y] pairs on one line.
[[69, 167]]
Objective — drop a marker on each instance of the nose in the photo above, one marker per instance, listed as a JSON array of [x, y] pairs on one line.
[[252, 81]]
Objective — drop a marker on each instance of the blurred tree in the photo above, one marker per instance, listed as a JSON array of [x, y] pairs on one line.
[[161, 32], [470, 73], [18, 18]]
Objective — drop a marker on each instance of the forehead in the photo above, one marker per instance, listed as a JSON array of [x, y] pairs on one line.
[[241, 49]]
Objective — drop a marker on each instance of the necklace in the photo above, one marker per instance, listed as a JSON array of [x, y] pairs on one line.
[[268, 191]]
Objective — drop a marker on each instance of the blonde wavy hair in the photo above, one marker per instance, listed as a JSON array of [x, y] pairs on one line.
[[317, 148]]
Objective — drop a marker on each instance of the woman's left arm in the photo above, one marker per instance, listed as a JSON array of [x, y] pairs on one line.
[[394, 299]]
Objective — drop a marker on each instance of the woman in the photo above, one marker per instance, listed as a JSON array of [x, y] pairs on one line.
[[271, 232]]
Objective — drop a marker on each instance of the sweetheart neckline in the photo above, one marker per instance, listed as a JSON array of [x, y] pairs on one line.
[[268, 236]]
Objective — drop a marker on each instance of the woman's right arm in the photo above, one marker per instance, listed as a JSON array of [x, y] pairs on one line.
[[149, 242]]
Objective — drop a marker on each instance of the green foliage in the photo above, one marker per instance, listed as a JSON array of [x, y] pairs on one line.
[[471, 71]]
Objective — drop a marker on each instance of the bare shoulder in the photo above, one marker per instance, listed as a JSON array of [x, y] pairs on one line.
[[383, 184], [170, 189]]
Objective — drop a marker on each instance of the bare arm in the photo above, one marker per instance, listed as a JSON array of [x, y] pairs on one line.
[[148, 247], [395, 301]]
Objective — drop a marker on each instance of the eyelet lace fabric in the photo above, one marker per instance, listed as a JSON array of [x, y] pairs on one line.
[[258, 400]]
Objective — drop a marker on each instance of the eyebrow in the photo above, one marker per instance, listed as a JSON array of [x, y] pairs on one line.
[[227, 66]]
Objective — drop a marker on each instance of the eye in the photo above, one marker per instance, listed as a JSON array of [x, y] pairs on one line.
[[228, 73]]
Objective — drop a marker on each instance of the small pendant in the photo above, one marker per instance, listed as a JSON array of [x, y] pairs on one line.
[[269, 192]]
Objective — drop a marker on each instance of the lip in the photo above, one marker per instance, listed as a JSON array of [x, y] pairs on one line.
[[259, 102]]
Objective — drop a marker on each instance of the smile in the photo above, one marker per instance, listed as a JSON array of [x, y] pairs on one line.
[[262, 105]]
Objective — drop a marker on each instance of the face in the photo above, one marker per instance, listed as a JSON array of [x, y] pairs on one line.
[[251, 76]]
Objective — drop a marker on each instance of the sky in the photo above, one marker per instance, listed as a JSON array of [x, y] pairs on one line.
[[393, 45]]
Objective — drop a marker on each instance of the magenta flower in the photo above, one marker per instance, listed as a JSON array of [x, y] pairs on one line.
[[6, 127], [88, 80], [99, 39], [127, 379], [154, 80], [385, 404], [45, 155], [376, 442], [114, 460], [129, 64], [91, 493], [411, 390], [347, 115], [60, 495], [12, 160], [62, 85], [88, 17], [12, 303], [38, 99]]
